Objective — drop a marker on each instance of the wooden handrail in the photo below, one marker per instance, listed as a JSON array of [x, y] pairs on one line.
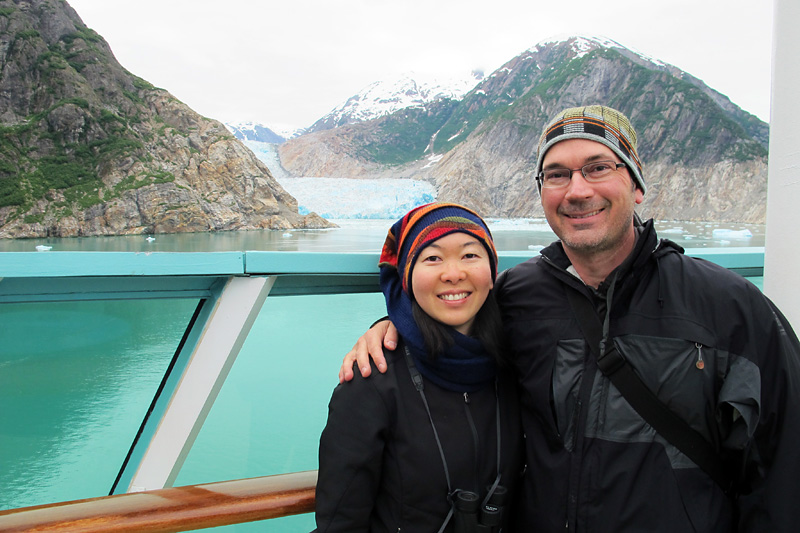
[[173, 509]]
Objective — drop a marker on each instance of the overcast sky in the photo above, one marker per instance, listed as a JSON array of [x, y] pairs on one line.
[[286, 63]]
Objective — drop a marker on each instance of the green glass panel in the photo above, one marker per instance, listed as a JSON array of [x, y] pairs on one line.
[[76, 379], [271, 410]]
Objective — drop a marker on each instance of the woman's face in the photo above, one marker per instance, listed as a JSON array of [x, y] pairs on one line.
[[451, 279]]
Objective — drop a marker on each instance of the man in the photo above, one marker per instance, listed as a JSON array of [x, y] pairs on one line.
[[712, 348]]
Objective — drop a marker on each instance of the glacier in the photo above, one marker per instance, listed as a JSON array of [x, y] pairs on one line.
[[358, 199], [343, 198]]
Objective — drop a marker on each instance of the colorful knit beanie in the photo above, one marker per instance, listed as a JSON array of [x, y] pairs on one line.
[[464, 366], [595, 123], [423, 225]]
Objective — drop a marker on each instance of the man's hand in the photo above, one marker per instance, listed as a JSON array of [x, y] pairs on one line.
[[370, 344]]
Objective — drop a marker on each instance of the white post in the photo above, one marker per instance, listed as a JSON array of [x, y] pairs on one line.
[[782, 255], [222, 338]]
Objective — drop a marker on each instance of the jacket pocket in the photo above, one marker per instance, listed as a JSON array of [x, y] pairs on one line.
[[565, 384]]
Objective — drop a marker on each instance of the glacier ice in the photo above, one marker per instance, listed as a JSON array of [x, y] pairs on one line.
[[353, 198], [333, 198]]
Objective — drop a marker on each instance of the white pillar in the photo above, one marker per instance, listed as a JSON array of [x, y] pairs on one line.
[[213, 356], [782, 255]]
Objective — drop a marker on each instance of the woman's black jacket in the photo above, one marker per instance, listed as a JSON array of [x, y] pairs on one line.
[[380, 469]]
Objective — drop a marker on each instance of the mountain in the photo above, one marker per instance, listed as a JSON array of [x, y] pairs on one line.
[[388, 96], [250, 131], [704, 158], [87, 148], [261, 133]]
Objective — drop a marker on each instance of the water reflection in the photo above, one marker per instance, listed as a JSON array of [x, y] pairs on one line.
[[75, 382], [368, 236]]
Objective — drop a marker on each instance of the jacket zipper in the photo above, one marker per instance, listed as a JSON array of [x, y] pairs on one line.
[[581, 413], [576, 459], [474, 437]]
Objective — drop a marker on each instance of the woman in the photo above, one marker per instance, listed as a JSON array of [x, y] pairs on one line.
[[420, 447]]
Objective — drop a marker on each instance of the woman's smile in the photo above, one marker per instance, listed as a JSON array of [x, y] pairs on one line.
[[451, 279]]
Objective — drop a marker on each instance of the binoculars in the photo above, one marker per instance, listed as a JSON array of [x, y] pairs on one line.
[[473, 517]]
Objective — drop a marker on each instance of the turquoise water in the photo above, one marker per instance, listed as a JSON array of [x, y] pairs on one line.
[[368, 236], [75, 382], [77, 378], [271, 411]]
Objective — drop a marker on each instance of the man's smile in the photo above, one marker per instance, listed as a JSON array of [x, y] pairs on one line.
[[583, 215]]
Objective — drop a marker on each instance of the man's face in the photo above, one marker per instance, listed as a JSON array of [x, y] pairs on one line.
[[590, 218]]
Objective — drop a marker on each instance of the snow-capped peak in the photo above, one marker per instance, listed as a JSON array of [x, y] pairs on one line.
[[409, 90], [583, 44], [254, 131]]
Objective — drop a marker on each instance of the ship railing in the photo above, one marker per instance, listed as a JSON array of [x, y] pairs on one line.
[[173, 509], [230, 288]]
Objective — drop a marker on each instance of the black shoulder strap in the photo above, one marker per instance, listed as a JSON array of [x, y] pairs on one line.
[[669, 425]]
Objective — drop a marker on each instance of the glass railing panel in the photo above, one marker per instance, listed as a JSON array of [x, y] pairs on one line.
[[271, 410], [76, 379], [758, 281]]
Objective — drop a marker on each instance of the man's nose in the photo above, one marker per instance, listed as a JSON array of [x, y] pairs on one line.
[[578, 187]]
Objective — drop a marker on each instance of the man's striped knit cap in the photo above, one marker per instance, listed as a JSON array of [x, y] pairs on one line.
[[595, 123], [423, 225]]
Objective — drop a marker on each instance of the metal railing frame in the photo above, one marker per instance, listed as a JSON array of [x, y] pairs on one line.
[[231, 288]]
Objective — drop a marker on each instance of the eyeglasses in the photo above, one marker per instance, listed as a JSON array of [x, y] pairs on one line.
[[594, 172]]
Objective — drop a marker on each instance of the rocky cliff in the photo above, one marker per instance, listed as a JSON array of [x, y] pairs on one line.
[[87, 148], [704, 158]]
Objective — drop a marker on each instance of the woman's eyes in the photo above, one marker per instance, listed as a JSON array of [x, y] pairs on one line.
[[436, 258]]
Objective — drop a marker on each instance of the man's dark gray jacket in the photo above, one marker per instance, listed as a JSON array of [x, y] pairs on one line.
[[593, 463]]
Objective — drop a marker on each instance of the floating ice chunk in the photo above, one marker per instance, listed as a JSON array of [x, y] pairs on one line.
[[731, 233], [671, 231]]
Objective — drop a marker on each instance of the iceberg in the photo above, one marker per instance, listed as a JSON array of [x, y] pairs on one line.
[[731, 233]]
